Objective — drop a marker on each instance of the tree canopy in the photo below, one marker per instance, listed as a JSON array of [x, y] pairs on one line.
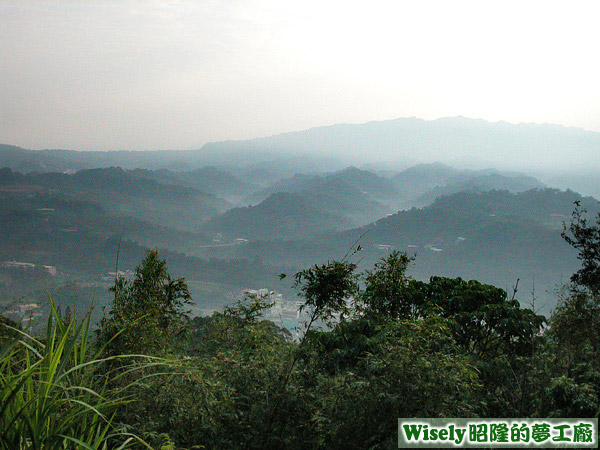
[[148, 313]]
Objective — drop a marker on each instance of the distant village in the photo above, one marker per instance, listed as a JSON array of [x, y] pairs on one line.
[[434, 247]]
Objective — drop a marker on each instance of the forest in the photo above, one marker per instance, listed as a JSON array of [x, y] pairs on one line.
[[376, 345]]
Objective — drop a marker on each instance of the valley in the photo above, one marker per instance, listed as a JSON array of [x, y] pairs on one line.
[[227, 228]]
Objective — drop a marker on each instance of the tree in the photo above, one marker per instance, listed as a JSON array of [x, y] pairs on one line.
[[573, 363], [493, 331], [221, 396], [386, 288], [576, 321], [574, 333], [148, 314], [326, 289], [483, 319], [586, 239], [147, 318], [366, 374]]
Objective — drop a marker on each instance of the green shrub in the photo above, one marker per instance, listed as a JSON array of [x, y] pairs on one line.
[[51, 394]]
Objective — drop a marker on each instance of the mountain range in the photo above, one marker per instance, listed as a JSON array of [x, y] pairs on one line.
[[553, 151], [234, 214]]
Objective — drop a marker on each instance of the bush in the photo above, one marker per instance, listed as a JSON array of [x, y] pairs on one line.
[[51, 396]]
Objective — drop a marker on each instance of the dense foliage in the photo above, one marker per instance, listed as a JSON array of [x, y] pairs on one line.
[[148, 313], [53, 394]]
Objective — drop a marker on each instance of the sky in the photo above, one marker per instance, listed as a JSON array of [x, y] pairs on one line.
[[142, 75]]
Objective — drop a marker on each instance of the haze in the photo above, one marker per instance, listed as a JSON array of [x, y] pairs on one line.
[[175, 75]]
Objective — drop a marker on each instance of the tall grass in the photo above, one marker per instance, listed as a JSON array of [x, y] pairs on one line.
[[52, 394]]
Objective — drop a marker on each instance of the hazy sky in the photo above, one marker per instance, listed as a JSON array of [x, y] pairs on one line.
[[175, 74]]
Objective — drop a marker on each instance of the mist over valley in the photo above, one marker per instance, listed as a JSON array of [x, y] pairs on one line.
[[282, 203]]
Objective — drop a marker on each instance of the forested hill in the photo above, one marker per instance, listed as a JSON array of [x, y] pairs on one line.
[[495, 236], [480, 182], [209, 179], [282, 215], [545, 206], [358, 196], [365, 182], [126, 192], [362, 196], [60, 244]]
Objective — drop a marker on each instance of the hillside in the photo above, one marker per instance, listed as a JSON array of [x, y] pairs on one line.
[[23, 160], [123, 192], [495, 236], [211, 180], [420, 185], [360, 196], [418, 179], [48, 227], [480, 182], [280, 216], [367, 182], [64, 244]]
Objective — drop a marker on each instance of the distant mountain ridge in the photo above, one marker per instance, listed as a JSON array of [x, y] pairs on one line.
[[403, 141], [471, 142]]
